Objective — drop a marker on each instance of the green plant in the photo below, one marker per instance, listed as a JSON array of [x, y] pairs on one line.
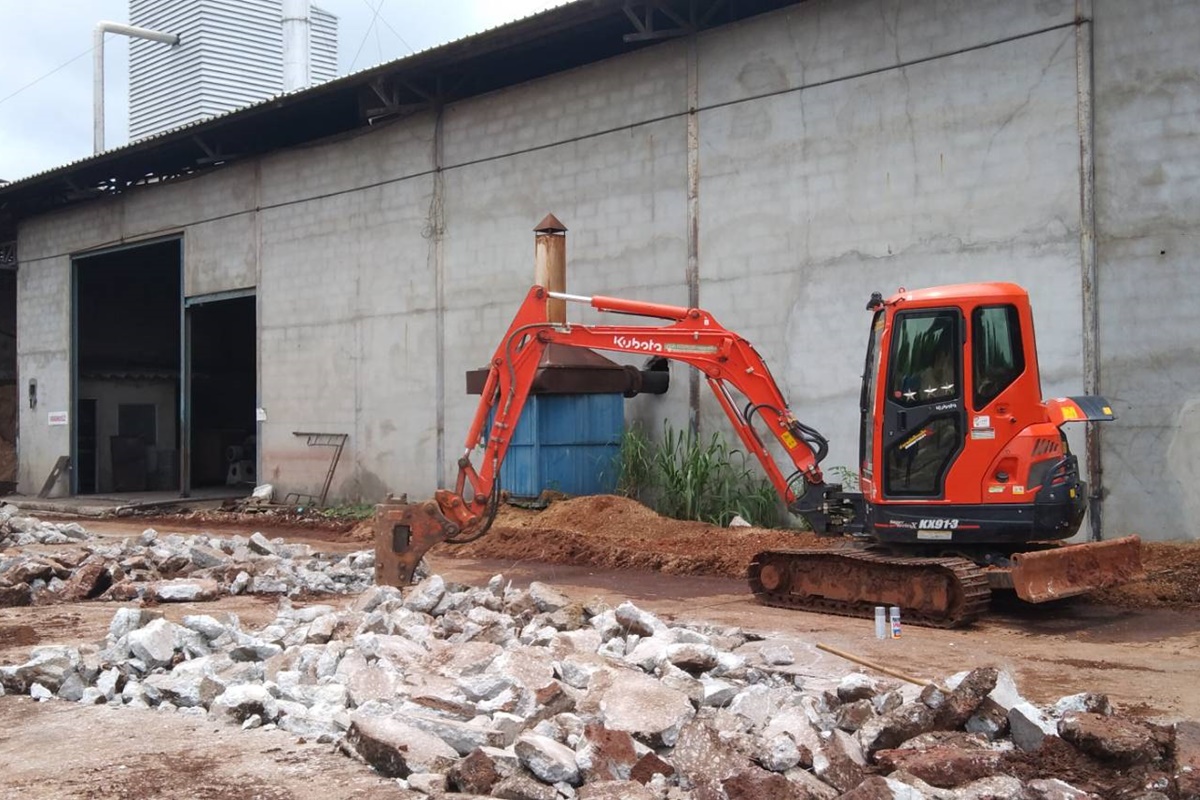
[[349, 511], [685, 478], [847, 477], [635, 464]]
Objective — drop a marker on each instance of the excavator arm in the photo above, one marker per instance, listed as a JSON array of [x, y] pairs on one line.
[[690, 336]]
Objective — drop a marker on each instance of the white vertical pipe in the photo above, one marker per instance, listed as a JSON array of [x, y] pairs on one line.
[[295, 45], [102, 28], [98, 89]]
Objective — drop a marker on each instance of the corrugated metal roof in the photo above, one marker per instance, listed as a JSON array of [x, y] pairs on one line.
[[559, 38]]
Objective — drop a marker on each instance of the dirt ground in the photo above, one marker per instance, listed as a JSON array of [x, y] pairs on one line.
[[617, 533], [1142, 652]]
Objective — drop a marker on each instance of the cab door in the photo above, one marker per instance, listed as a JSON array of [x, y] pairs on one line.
[[923, 409]]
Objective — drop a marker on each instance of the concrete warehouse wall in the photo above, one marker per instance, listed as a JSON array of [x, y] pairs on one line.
[[844, 146], [1147, 121]]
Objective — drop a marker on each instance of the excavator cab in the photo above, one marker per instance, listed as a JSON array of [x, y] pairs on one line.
[[957, 444]]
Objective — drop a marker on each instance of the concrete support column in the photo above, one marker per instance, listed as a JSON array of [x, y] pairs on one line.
[[435, 228], [693, 214], [1087, 253]]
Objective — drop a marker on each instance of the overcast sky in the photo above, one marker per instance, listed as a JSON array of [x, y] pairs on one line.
[[50, 123]]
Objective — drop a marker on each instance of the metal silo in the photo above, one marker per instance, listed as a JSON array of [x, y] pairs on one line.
[[230, 55]]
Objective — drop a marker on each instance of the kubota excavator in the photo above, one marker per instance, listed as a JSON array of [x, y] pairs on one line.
[[966, 482]]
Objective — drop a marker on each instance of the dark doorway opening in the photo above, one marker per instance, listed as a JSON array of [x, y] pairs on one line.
[[127, 347], [222, 336]]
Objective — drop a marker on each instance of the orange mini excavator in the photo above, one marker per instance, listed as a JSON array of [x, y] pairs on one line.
[[966, 482]]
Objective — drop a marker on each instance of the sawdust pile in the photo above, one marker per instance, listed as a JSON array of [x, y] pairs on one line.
[[612, 532]]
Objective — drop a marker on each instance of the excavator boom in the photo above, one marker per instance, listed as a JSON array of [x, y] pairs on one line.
[[406, 531]]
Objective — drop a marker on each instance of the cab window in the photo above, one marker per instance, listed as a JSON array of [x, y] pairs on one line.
[[996, 355], [924, 368]]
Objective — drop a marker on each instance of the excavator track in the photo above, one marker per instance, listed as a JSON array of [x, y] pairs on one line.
[[934, 592]]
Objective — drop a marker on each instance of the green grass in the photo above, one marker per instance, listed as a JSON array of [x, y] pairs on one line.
[[349, 511], [684, 477]]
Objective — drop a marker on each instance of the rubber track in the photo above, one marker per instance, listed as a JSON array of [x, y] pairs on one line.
[[972, 582]]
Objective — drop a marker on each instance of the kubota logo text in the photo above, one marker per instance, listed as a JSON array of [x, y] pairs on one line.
[[634, 343]]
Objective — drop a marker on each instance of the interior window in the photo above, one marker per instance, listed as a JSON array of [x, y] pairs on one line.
[[917, 464], [997, 355], [924, 367]]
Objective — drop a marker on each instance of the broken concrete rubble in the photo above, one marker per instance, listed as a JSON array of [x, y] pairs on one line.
[[494, 691], [171, 568]]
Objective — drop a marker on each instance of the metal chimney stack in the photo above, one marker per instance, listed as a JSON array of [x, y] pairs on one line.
[[296, 23]]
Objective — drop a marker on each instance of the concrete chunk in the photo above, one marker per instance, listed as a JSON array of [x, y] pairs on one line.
[[840, 762], [1112, 740], [523, 787], [995, 787], [395, 749], [856, 686], [1187, 759], [261, 545], [880, 788], [780, 753], [1054, 789], [238, 703], [605, 755], [546, 598], [185, 590], [642, 706], [464, 737], [895, 727], [1028, 726], [208, 627], [634, 620], [550, 761], [777, 655], [944, 767], [852, 716], [425, 596], [691, 657], [703, 760], [1084, 702], [615, 790], [475, 774], [962, 702], [155, 643]]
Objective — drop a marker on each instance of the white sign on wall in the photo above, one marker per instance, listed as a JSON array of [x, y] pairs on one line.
[[57, 417]]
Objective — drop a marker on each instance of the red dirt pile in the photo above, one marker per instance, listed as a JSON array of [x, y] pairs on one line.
[[1172, 578], [611, 532], [618, 533]]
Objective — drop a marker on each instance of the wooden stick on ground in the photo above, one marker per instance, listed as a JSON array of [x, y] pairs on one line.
[[895, 673]]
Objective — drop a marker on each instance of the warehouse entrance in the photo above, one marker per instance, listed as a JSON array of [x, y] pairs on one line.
[[127, 314], [221, 374]]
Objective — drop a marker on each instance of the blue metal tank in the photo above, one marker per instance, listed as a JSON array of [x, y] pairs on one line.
[[569, 434], [566, 443]]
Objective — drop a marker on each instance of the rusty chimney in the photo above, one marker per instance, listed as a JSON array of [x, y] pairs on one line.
[[550, 264]]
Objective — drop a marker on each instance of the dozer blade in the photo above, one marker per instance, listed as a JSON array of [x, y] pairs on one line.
[[404, 532], [1043, 575]]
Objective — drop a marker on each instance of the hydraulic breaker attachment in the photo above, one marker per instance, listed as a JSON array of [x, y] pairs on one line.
[[1042, 575], [404, 532]]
